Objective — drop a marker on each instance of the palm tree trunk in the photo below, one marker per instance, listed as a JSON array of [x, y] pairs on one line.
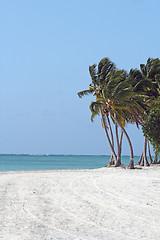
[[146, 163], [149, 153], [107, 135], [138, 163], [120, 143], [143, 159], [131, 163], [111, 161], [118, 162], [110, 129]]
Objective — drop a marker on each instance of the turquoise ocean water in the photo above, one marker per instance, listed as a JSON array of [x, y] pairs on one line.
[[49, 162]]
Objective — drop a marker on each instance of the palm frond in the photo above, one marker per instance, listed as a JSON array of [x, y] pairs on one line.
[[143, 69], [157, 78], [154, 68], [104, 67], [113, 80], [135, 74], [142, 85], [93, 73], [85, 92], [104, 61], [122, 90], [95, 108]]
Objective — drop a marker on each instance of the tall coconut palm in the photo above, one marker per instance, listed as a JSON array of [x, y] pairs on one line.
[[142, 87], [105, 67], [148, 81]]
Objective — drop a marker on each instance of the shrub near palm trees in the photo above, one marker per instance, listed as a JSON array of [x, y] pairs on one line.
[[151, 128]]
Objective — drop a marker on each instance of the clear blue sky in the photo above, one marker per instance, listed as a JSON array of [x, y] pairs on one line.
[[46, 47]]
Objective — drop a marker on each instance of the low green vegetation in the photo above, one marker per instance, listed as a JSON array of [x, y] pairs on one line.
[[151, 128], [125, 97]]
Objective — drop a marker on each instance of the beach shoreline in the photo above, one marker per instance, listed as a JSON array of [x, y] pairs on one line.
[[103, 203]]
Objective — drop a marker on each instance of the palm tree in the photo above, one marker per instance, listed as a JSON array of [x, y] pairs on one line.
[[148, 82], [105, 66], [142, 87]]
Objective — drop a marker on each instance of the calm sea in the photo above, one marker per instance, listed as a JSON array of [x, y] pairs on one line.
[[49, 162]]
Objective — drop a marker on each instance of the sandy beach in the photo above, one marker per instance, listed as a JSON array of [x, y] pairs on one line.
[[104, 203]]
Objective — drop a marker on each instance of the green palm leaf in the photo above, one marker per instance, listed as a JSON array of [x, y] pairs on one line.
[[85, 92], [93, 73], [95, 108]]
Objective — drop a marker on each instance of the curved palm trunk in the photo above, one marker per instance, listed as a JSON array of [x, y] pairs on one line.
[[138, 163], [120, 143], [143, 159], [111, 161], [146, 163], [131, 163], [106, 132], [118, 162]]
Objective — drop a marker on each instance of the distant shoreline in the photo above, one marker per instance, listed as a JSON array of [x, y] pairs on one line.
[[28, 154], [49, 162]]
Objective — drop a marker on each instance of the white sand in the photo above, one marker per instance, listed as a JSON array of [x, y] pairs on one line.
[[80, 204]]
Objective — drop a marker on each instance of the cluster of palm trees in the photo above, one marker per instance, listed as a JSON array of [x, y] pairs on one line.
[[123, 97]]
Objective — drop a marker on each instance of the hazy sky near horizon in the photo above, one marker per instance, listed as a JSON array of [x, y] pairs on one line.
[[46, 48]]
